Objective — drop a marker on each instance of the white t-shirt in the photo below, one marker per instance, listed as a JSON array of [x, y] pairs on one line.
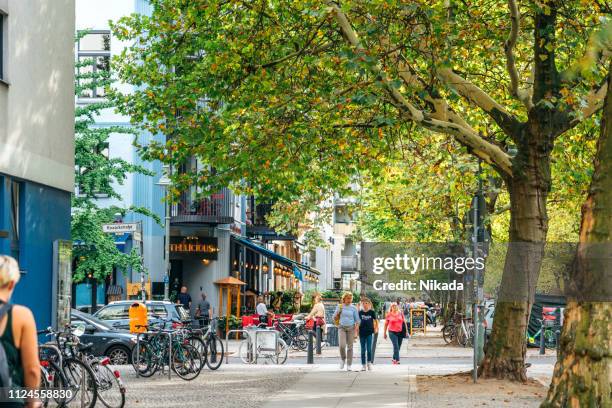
[[261, 309]]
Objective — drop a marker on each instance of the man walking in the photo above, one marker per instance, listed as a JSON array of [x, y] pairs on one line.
[[204, 311]]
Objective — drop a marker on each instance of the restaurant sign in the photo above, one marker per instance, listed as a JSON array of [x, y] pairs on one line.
[[194, 248]]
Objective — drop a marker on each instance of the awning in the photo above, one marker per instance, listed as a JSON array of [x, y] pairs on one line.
[[296, 267]]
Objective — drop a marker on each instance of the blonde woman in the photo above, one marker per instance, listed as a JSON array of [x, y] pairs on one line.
[[395, 325], [17, 335], [346, 318], [317, 312]]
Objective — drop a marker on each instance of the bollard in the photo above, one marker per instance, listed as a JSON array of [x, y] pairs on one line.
[[558, 338], [542, 347], [374, 345], [319, 335], [310, 357]]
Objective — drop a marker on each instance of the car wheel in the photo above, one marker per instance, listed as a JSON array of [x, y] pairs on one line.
[[119, 355]]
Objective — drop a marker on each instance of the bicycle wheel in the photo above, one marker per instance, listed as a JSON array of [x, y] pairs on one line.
[[186, 362], [215, 352], [44, 386], [550, 340], [246, 353], [56, 379], [144, 360], [199, 345], [300, 342], [282, 351], [81, 381], [110, 389], [461, 336], [448, 333]]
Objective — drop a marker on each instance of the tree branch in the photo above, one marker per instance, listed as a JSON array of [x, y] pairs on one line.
[[594, 102], [522, 95], [480, 98], [489, 152]]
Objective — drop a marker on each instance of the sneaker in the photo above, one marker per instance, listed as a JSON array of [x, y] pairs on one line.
[[342, 365], [369, 366], [348, 367], [395, 362], [363, 368]]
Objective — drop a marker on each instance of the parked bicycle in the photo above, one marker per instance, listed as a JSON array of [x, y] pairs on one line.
[[160, 347], [206, 341], [67, 366]]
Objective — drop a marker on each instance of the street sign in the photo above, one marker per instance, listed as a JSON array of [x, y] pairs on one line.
[[137, 236], [120, 228]]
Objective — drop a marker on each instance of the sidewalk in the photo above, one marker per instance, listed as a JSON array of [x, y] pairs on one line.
[[419, 381]]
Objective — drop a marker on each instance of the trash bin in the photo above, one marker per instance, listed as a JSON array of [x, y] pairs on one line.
[[332, 335], [138, 318]]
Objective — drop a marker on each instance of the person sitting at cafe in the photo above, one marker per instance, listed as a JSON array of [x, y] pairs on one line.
[[262, 311]]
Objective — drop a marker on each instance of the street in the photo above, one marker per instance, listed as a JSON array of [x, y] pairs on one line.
[[297, 384]]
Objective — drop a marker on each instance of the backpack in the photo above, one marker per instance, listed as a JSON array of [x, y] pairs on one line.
[[5, 377]]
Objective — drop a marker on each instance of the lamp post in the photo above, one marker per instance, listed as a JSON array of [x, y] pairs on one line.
[[165, 183]]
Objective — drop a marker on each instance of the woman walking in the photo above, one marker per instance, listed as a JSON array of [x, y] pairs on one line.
[[367, 327], [395, 325], [346, 318], [17, 336]]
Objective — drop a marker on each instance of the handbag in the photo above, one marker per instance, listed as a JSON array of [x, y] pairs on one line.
[[337, 316], [404, 332]]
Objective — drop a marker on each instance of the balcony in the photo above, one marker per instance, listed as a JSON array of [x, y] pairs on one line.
[[217, 208], [257, 226], [349, 263]]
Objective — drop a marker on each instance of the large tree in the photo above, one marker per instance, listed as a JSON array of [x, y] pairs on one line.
[[294, 97], [584, 367]]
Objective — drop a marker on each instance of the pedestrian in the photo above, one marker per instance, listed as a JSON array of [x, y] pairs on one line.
[[317, 313], [395, 325], [367, 327], [346, 318], [262, 310], [18, 338], [184, 299], [204, 312]]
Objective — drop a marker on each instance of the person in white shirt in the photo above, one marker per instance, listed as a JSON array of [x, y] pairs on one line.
[[262, 311]]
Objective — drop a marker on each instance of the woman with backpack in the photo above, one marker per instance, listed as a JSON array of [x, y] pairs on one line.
[[19, 364], [346, 318], [395, 326]]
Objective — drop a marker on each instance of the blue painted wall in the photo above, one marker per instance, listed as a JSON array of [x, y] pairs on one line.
[[44, 218]]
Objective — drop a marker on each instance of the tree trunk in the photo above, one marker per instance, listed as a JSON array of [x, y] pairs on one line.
[[583, 373], [505, 352]]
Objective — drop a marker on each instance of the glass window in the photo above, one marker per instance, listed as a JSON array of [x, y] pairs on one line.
[[114, 312], [158, 310], [94, 62], [95, 41]]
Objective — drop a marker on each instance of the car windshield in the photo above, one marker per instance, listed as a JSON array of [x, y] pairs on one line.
[[183, 315], [91, 320]]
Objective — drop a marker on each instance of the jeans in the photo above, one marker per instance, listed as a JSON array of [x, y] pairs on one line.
[[366, 347], [396, 340], [346, 336]]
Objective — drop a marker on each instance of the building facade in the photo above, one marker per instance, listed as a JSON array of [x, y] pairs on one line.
[[36, 144], [138, 190]]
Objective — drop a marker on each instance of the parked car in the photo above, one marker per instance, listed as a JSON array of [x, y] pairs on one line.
[[116, 313], [107, 341]]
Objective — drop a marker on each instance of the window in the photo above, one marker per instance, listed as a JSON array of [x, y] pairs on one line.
[[94, 61], [158, 311], [15, 189], [2, 20], [114, 312]]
